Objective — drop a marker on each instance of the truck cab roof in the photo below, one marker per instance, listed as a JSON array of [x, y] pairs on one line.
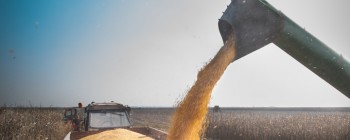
[[105, 106]]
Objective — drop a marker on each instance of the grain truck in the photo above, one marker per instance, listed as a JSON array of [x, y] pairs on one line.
[[100, 117]]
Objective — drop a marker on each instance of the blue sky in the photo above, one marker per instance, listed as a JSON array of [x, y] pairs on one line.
[[147, 53]]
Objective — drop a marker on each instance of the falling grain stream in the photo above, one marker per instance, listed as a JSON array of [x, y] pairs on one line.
[[188, 119]]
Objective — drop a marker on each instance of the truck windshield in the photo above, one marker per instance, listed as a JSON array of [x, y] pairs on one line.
[[108, 119]]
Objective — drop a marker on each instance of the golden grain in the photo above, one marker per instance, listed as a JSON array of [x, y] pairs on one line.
[[187, 123]]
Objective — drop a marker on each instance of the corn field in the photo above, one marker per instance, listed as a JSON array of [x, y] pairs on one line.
[[32, 123], [260, 124], [226, 124], [279, 125]]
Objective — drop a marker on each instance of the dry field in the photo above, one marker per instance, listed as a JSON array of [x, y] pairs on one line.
[[238, 124], [32, 123], [158, 118], [261, 123]]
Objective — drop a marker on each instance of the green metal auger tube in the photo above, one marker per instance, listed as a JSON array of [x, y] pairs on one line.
[[256, 23]]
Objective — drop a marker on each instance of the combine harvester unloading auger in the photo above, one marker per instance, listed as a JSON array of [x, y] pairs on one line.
[[256, 23], [246, 26]]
